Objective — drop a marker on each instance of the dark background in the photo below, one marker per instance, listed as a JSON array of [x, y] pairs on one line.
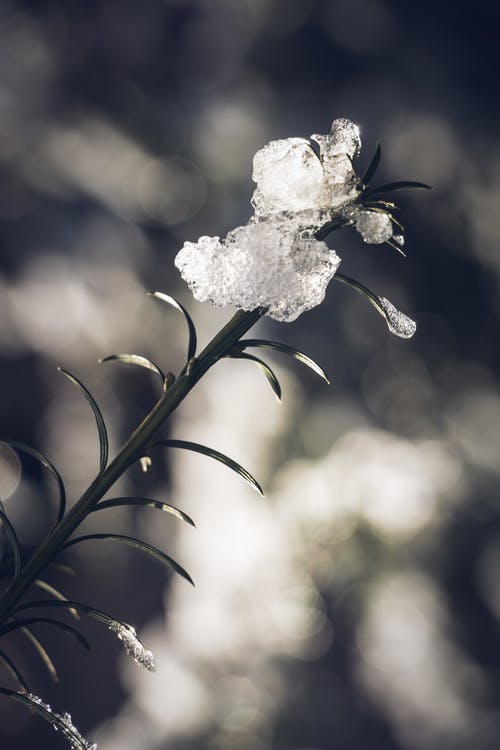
[[125, 129]]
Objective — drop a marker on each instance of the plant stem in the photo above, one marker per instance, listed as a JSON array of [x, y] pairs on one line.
[[46, 552]]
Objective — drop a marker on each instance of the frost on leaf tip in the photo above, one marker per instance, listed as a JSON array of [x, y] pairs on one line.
[[133, 646], [63, 723], [398, 323]]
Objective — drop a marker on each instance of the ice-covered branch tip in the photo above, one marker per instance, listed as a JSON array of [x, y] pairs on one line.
[[132, 645], [61, 722], [276, 261]]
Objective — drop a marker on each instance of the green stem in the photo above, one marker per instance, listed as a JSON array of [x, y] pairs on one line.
[[46, 552]]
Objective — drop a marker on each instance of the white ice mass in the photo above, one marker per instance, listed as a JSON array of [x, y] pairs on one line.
[[275, 261]]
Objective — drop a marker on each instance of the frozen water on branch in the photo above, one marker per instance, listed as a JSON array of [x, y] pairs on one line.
[[64, 724], [398, 323], [374, 227], [133, 646], [262, 264], [275, 261]]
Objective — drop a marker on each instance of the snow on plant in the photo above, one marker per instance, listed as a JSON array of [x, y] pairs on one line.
[[277, 264]]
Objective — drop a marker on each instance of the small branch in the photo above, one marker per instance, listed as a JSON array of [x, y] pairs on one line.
[[133, 449]]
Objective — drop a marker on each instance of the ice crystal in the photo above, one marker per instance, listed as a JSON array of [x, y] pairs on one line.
[[398, 323], [262, 264], [276, 261], [63, 723], [374, 227], [133, 646]]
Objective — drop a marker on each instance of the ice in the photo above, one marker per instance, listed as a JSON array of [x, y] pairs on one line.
[[375, 227], [343, 138], [398, 323], [276, 261], [262, 264], [133, 646], [289, 177], [398, 239], [64, 725]]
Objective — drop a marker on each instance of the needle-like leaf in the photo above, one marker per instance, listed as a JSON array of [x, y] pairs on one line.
[[137, 359], [192, 330], [269, 374], [10, 627], [144, 502], [372, 167], [14, 671], [138, 544], [284, 349], [212, 453], [42, 652], [392, 186], [55, 593], [18, 446], [11, 535], [101, 427]]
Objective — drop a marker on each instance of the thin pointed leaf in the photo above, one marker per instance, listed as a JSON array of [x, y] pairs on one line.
[[397, 322], [402, 185], [11, 667], [138, 544], [197, 448], [137, 359], [11, 535], [18, 446], [192, 330], [55, 593], [97, 614], [101, 427], [270, 376], [284, 349], [371, 297], [144, 502], [372, 167], [49, 664], [396, 247], [60, 722], [28, 621]]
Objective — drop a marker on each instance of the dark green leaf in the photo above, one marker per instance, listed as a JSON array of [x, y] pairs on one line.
[[372, 167], [138, 544], [97, 614], [41, 652], [192, 330], [28, 621], [11, 667], [47, 464], [284, 349], [101, 427], [197, 448], [144, 502], [11, 535], [55, 593], [390, 186], [137, 359], [270, 376], [60, 722], [371, 297]]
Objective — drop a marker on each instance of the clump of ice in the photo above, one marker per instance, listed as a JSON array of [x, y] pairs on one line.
[[133, 646], [275, 261], [374, 227], [63, 723], [262, 264], [398, 323]]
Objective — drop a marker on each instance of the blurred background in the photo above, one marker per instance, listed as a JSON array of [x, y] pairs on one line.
[[358, 605]]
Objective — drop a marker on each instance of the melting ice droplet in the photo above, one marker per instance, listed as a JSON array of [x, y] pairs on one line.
[[398, 323], [63, 723], [133, 646], [374, 227]]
